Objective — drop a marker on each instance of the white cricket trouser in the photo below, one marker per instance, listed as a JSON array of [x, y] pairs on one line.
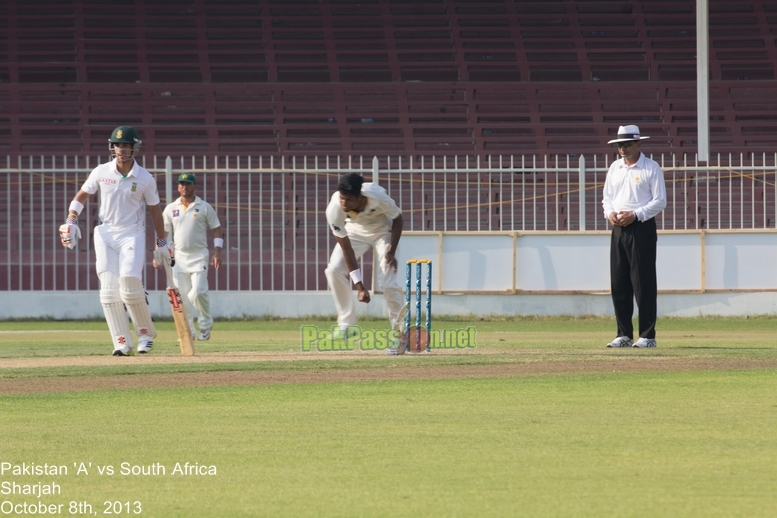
[[122, 253], [194, 292], [340, 281], [119, 260]]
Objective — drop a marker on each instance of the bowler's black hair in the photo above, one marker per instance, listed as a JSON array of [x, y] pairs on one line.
[[350, 183]]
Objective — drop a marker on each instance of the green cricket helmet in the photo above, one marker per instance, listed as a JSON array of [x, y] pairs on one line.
[[125, 135]]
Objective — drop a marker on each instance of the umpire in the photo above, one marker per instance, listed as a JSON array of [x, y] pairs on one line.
[[634, 194]]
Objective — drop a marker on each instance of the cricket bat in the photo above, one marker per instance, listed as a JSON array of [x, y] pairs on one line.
[[179, 314]]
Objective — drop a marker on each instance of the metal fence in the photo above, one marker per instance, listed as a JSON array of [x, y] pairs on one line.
[[272, 213]]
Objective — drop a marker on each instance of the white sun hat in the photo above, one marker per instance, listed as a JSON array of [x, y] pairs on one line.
[[627, 134]]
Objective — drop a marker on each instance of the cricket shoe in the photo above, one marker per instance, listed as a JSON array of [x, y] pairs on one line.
[[124, 351], [621, 341], [204, 335], [145, 344], [643, 343]]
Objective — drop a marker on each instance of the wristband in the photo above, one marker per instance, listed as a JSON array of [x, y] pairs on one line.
[[356, 276], [161, 242], [218, 242], [76, 206]]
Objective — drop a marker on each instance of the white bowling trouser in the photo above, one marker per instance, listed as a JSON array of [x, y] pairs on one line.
[[194, 292], [340, 281]]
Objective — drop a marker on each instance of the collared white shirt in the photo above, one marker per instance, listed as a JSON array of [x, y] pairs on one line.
[[189, 232], [123, 199], [639, 188], [375, 219]]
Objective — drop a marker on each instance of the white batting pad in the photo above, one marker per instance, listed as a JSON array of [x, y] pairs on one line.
[[134, 297], [109, 288], [118, 325]]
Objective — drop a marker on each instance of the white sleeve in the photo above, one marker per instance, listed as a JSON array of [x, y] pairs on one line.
[[213, 218], [386, 203], [335, 216], [607, 195], [92, 184], [390, 207], [152, 194], [658, 190], [167, 218]]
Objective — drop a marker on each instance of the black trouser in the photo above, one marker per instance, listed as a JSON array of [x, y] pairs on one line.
[[633, 275]]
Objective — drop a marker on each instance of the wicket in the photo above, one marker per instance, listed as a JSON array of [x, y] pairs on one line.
[[418, 346]]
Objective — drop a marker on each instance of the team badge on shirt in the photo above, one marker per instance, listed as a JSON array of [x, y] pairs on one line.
[[134, 186], [175, 213]]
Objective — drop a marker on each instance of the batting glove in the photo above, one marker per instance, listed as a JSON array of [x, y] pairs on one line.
[[69, 233], [163, 253]]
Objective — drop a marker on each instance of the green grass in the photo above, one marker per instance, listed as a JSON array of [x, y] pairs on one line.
[[695, 443], [90, 338], [699, 444]]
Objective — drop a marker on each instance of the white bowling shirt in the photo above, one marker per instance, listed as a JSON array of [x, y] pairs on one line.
[[374, 220]]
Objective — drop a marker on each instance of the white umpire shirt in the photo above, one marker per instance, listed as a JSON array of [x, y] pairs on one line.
[[189, 232], [374, 220], [123, 200], [639, 188]]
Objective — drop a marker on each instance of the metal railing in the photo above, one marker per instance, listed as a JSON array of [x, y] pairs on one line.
[[272, 213]]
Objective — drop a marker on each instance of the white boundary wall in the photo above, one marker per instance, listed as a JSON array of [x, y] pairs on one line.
[[573, 262], [296, 304], [725, 273]]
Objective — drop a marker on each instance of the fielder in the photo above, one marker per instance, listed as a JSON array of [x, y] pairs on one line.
[[186, 221], [362, 216], [120, 239]]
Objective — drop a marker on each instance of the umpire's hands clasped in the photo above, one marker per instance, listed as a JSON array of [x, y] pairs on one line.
[[623, 218]]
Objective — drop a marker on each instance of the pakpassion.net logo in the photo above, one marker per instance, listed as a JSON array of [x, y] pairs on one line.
[[356, 338]]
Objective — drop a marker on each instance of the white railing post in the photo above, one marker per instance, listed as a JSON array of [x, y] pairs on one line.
[[581, 182], [375, 170], [168, 180]]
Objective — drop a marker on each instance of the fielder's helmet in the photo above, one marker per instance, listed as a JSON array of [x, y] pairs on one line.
[[126, 135]]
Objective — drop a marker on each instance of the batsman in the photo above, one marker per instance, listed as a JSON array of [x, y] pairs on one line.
[[126, 189], [363, 216]]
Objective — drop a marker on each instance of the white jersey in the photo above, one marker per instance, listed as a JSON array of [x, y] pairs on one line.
[[639, 188], [375, 219], [189, 232], [123, 199]]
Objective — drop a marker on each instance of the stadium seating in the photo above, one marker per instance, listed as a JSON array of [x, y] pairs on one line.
[[381, 77]]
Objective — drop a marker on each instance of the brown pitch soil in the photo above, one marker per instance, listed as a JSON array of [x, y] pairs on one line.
[[517, 364]]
